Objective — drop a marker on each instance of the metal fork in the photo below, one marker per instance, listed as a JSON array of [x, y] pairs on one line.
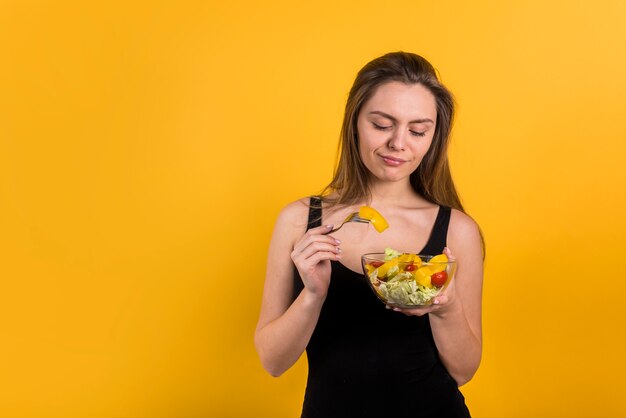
[[353, 217]]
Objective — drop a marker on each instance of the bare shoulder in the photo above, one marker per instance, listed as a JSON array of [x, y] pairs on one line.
[[296, 213], [292, 219], [462, 223], [463, 231]]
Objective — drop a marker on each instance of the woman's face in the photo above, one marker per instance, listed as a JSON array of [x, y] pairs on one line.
[[396, 127]]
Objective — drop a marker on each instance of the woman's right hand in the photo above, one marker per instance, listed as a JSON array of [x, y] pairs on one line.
[[312, 255]]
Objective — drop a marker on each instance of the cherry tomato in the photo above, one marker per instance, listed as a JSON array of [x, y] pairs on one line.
[[439, 279], [376, 264], [410, 267]]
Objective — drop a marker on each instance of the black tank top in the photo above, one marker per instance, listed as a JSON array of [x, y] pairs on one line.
[[369, 361]]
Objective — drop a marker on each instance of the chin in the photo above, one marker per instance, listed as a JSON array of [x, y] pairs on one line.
[[392, 178]]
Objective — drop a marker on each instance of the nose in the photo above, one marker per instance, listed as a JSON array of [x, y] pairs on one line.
[[397, 142]]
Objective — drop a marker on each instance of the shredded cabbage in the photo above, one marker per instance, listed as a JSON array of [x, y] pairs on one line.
[[402, 290], [400, 287]]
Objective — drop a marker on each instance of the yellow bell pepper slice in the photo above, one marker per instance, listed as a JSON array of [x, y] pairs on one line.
[[384, 269], [435, 267], [422, 276], [407, 260], [375, 218]]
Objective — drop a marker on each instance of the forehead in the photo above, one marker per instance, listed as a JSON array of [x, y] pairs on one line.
[[403, 101]]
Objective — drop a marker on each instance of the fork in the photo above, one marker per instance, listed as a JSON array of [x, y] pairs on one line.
[[353, 217]]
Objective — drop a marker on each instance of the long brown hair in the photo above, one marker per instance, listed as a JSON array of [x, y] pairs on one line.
[[432, 179]]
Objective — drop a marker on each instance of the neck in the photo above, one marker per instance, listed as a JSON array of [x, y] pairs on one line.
[[392, 193]]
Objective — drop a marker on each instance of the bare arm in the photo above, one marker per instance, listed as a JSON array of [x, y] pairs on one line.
[[456, 319], [285, 326]]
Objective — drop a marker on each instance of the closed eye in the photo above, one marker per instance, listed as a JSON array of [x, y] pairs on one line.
[[384, 128], [380, 127]]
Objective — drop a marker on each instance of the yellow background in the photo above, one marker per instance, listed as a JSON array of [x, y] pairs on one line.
[[146, 148]]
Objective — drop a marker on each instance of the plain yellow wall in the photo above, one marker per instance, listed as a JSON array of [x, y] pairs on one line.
[[146, 148]]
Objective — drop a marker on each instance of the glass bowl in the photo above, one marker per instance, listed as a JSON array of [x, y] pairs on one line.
[[409, 280]]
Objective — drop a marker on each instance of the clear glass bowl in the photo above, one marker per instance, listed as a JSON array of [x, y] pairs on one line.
[[408, 281]]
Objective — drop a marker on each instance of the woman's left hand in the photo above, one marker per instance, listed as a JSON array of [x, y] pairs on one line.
[[440, 304]]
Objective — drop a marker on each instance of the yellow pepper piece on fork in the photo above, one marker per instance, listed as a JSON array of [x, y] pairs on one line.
[[375, 218]]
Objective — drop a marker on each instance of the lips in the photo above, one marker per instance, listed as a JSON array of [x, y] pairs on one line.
[[392, 161]]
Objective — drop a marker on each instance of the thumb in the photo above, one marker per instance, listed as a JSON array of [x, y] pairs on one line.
[[448, 254]]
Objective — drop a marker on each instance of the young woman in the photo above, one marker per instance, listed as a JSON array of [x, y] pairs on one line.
[[366, 360]]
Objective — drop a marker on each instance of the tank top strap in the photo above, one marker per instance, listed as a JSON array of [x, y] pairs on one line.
[[315, 212], [439, 234]]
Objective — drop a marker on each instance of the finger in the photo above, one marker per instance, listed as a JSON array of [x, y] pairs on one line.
[[414, 311], [442, 299], [448, 254], [318, 257], [316, 242], [315, 247], [318, 231], [322, 229], [307, 239]]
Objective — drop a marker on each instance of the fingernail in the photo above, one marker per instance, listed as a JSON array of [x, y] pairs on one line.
[[329, 226], [337, 241], [338, 249], [436, 302]]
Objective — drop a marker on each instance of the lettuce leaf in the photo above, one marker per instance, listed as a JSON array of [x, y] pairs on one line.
[[390, 254]]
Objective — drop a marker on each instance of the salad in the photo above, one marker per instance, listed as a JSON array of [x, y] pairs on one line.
[[407, 280]]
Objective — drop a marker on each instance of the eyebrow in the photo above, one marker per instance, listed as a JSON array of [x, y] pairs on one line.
[[388, 116]]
